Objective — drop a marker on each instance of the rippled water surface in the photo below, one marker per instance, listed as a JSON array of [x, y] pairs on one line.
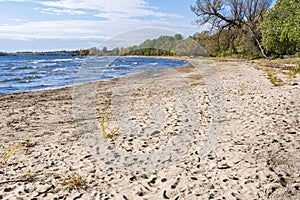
[[29, 73]]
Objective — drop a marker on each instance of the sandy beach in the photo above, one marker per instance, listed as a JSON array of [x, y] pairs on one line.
[[230, 134]]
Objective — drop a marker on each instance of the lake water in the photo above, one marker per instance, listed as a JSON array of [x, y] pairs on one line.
[[30, 73]]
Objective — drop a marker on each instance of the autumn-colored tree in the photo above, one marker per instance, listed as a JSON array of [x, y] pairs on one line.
[[237, 15]]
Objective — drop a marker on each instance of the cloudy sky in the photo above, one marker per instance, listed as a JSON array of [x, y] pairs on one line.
[[37, 25]]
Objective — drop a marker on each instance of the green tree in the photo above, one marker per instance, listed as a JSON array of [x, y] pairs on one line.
[[281, 28], [178, 37], [116, 51], [104, 50]]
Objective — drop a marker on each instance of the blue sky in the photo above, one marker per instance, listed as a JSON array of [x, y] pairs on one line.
[[36, 25]]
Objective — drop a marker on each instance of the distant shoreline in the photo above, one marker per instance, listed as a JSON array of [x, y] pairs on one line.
[[76, 53], [46, 53]]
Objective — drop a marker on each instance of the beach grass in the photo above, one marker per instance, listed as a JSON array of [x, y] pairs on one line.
[[9, 152], [107, 132], [74, 182]]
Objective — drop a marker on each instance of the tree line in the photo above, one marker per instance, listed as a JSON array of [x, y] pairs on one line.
[[249, 27], [162, 46], [47, 53]]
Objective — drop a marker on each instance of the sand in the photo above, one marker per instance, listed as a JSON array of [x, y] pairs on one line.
[[215, 130]]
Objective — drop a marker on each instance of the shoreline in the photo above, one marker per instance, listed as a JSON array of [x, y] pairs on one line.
[[132, 73], [256, 156]]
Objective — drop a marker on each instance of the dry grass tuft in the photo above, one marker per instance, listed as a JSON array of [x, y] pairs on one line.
[[74, 182], [108, 133], [5, 157]]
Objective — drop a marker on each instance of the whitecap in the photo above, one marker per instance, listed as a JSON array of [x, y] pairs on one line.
[[62, 59], [58, 69]]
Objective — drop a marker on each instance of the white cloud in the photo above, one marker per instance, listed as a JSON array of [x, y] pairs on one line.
[[68, 29], [111, 9], [120, 16], [16, 1], [61, 11], [104, 5], [102, 8], [78, 29], [18, 20]]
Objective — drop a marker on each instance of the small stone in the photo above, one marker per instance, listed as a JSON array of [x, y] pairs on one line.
[[92, 171], [165, 195], [133, 178], [155, 133], [163, 180], [144, 176], [8, 189], [224, 166], [152, 181], [140, 194]]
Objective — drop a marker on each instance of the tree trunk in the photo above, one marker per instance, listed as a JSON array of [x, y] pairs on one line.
[[258, 43], [218, 41]]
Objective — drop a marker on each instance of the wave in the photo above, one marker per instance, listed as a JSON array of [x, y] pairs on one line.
[[48, 65], [58, 69], [39, 72], [24, 81], [9, 68], [37, 61], [56, 72], [26, 67], [62, 59]]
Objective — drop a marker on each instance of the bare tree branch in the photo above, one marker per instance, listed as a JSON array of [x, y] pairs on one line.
[[226, 14]]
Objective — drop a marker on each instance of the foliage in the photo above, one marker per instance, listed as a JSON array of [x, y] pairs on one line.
[[297, 70], [242, 28], [162, 46], [281, 28], [235, 16], [227, 43], [83, 52], [225, 14]]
